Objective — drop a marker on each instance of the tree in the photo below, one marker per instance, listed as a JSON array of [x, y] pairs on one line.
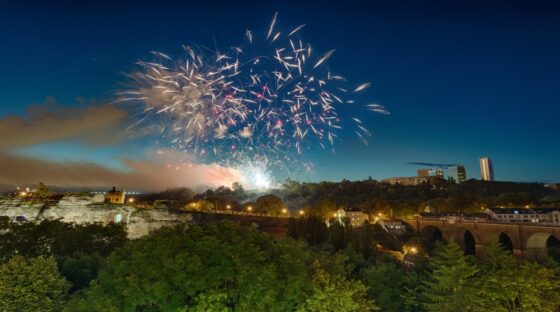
[[518, 285], [42, 191], [80, 269], [334, 293], [33, 285], [312, 229], [269, 205], [324, 209], [85, 244], [386, 284], [452, 286], [217, 265], [201, 205]]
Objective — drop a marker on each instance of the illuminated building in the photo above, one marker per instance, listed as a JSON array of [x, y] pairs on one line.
[[436, 172], [423, 172], [115, 196], [457, 173], [355, 216], [486, 169]]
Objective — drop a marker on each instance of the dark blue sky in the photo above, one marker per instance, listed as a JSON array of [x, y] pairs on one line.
[[462, 79]]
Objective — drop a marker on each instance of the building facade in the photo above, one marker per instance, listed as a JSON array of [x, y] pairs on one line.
[[486, 169], [115, 196], [423, 172], [355, 216], [457, 173], [547, 216]]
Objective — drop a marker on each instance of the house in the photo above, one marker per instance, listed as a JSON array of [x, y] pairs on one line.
[[393, 226], [548, 215], [354, 215], [512, 215], [115, 196]]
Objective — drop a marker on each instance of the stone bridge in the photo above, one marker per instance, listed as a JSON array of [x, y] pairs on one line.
[[522, 239]]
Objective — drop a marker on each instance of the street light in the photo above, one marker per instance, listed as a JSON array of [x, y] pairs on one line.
[[228, 207], [131, 200], [250, 208], [301, 212], [284, 210]]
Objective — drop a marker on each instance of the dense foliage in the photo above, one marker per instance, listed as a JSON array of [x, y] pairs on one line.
[[52, 266], [370, 196], [31, 285], [79, 250], [219, 267]]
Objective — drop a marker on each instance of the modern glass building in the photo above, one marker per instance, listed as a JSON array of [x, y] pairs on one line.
[[457, 173], [486, 169]]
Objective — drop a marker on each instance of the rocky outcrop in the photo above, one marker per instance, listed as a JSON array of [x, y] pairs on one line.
[[143, 221], [92, 209], [17, 207], [85, 209]]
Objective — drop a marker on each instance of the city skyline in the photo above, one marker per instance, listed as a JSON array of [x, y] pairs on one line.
[[481, 85]]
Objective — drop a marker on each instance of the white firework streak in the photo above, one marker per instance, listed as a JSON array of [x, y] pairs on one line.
[[232, 106]]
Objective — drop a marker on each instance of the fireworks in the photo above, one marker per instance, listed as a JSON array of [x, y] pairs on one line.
[[266, 100]]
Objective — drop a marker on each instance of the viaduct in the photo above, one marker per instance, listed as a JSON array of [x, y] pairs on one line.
[[523, 240]]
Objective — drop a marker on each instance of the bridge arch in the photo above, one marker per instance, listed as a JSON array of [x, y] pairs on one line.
[[469, 243], [542, 244], [465, 238], [430, 236], [505, 241]]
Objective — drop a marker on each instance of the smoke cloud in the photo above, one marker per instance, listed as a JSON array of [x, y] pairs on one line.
[[166, 169], [51, 122]]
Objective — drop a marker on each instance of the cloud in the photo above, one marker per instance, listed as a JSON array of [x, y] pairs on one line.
[[51, 122], [164, 169]]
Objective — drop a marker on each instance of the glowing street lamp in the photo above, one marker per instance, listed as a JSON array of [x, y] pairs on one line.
[[228, 207], [301, 212], [250, 208], [284, 210], [131, 200]]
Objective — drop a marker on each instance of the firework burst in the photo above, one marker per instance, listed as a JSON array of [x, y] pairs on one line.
[[266, 100]]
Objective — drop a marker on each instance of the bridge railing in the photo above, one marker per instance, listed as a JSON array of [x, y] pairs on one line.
[[482, 220]]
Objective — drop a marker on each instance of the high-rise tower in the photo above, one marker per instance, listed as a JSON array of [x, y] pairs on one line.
[[486, 169]]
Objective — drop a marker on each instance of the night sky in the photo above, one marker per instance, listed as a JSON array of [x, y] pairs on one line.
[[462, 79]]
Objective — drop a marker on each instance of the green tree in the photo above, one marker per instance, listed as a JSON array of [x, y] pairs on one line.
[[201, 205], [33, 285], [219, 265], [518, 285], [386, 284], [334, 293], [86, 244], [80, 269], [269, 205], [42, 191], [452, 286]]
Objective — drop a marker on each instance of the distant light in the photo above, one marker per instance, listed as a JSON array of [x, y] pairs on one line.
[[131, 200], [23, 194], [301, 212], [249, 208], [284, 210], [413, 250], [228, 207]]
